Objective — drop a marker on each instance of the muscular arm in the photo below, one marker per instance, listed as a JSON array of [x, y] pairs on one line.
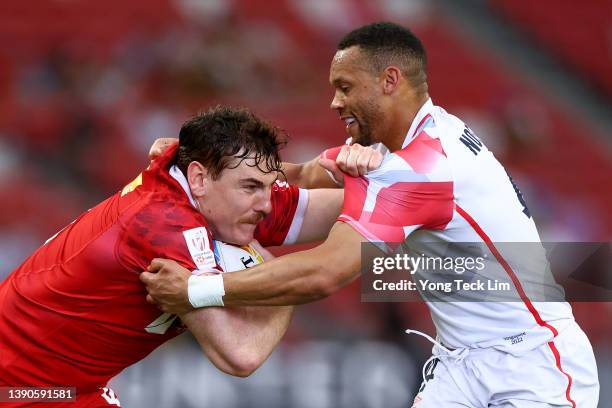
[[308, 175], [300, 277], [237, 340], [292, 279], [324, 205]]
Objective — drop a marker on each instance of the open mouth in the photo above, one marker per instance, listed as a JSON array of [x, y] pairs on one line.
[[348, 120]]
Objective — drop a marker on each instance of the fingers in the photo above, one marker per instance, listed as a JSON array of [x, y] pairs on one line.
[[342, 157], [357, 160], [159, 263], [160, 145], [146, 277], [375, 160], [255, 244], [151, 300], [348, 158], [265, 254], [362, 160], [351, 161]]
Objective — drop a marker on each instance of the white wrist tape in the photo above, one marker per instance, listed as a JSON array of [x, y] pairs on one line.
[[204, 291]]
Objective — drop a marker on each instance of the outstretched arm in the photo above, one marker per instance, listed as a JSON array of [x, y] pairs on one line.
[[324, 205], [308, 175], [293, 279], [300, 277]]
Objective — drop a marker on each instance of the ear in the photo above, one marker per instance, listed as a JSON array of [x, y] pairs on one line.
[[198, 179], [391, 79]]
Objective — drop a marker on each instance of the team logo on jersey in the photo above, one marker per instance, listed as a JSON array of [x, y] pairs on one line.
[[199, 248]]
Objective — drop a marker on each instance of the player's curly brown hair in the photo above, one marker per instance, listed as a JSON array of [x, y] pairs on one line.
[[223, 133]]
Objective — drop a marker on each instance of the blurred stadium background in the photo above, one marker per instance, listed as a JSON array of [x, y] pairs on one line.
[[86, 86]]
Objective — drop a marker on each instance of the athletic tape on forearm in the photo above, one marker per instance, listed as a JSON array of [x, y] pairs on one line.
[[204, 291]]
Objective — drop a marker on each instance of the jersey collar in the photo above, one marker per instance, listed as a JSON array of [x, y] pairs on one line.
[[421, 120], [178, 175]]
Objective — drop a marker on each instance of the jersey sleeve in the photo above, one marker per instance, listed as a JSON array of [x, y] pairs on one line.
[[282, 226], [166, 229], [412, 189]]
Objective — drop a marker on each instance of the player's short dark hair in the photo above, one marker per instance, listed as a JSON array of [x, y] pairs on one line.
[[215, 137], [387, 44]]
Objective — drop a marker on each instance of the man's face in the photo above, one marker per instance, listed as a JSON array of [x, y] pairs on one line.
[[238, 200], [358, 95]]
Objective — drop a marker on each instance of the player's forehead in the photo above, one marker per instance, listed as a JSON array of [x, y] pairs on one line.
[[250, 169], [346, 65]]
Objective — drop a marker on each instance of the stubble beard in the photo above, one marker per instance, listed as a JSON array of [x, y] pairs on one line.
[[372, 114]]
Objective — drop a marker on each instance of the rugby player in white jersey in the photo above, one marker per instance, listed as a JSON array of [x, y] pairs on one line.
[[438, 184]]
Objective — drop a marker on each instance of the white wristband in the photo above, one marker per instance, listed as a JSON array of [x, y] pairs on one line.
[[204, 291]]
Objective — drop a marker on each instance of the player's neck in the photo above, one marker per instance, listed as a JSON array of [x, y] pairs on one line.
[[401, 120]]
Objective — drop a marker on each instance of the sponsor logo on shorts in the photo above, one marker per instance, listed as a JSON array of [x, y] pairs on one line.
[[517, 338]]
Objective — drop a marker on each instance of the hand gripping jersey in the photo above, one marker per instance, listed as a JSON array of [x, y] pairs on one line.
[[74, 313], [443, 187]]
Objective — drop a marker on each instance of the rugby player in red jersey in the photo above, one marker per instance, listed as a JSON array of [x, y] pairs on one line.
[[74, 313]]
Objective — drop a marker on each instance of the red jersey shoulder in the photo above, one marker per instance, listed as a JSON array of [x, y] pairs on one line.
[[273, 229], [165, 228], [164, 223], [155, 178]]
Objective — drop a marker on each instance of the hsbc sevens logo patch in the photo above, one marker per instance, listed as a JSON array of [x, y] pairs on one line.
[[199, 248]]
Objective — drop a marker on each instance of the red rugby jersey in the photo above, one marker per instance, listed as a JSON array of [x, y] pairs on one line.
[[74, 313]]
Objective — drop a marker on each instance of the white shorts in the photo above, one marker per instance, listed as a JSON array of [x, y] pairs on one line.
[[561, 373]]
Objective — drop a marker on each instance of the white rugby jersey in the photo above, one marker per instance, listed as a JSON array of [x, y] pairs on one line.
[[445, 186]]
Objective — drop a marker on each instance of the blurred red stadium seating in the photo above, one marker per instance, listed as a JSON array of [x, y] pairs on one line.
[[565, 158], [579, 33]]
